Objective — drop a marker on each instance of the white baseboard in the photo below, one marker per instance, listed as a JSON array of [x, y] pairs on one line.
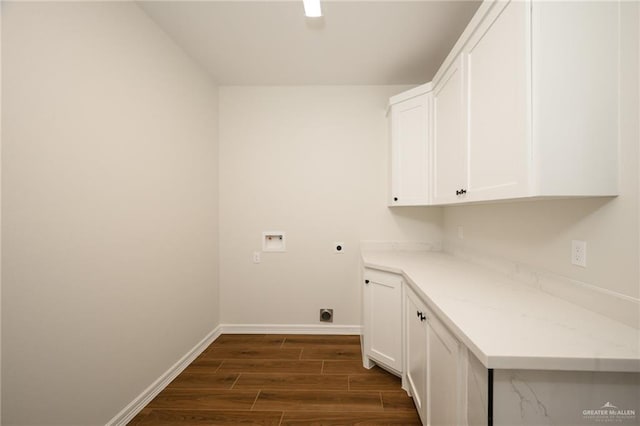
[[290, 329], [131, 410]]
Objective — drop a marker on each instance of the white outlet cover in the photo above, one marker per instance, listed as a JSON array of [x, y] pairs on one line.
[[338, 247], [579, 253]]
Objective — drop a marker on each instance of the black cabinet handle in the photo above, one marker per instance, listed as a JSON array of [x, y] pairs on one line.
[[395, 198], [423, 318], [457, 192], [366, 281], [461, 192]]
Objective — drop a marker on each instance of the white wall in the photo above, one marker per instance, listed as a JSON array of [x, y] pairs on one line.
[[539, 233], [309, 161], [109, 186]]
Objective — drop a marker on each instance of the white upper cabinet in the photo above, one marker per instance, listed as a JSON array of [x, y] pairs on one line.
[[449, 136], [410, 160], [497, 73], [526, 104], [575, 97]]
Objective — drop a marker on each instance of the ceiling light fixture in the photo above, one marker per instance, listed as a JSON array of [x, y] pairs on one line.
[[312, 8]]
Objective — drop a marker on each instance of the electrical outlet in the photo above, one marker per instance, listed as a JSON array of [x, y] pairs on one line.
[[579, 253], [256, 257]]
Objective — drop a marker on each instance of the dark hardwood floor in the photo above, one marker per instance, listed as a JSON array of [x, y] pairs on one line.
[[281, 380]]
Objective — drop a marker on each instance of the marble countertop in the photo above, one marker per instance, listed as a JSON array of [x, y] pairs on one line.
[[510, 325]]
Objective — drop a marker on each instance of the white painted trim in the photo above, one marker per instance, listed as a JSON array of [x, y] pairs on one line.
[[290, 329], [411, 93], [135, 406], [473, 26]]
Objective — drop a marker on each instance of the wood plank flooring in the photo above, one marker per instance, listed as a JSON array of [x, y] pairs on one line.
[[281, 380]]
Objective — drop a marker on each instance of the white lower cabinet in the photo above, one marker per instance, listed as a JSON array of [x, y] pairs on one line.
[[383, 319], [435, 369], [402, 335], [443, 375], [406, 333], [416, 352]]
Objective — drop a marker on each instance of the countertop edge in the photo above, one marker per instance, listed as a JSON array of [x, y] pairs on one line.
[[630, 365]]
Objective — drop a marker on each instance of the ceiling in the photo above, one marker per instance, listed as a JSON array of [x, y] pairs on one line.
[[355, 42]]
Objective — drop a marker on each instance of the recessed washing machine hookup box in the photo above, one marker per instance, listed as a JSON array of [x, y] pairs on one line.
[[273, 241]]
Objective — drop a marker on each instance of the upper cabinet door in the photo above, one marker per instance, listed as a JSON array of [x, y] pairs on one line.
[[409, 151], [498, 82], [577, 81], [449, 137]]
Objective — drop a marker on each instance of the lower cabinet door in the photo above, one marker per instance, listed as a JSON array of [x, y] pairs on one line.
[[443, 372], [383, 318], [433, 363], [416, 352]]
